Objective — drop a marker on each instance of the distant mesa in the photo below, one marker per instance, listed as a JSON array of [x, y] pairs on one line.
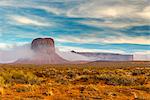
[[96, 56], [44, 53], [73, 51]]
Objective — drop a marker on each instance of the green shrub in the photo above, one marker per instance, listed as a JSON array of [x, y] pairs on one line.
[[1, 91], [121, 80], [19, 76], [137, 72], [31, 78], [143, 88], [2, 81], [82, 79]]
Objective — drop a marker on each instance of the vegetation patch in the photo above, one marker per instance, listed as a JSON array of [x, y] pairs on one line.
[[79, 81], [18, 76]]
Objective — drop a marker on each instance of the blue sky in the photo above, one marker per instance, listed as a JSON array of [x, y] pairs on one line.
[[119, 26]]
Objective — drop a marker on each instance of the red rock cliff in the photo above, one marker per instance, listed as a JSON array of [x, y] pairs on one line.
[[44, 53]]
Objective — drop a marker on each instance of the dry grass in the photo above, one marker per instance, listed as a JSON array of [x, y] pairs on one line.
[[93, 81]]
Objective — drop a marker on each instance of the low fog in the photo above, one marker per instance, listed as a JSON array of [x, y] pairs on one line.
[[24, 52], [72, 56], [144, 57], [14, 53]]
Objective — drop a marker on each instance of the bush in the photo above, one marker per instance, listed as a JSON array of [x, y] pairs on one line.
[[15, 76], [137, 72], [1, 90], [31, 78], [82, 79], [23, 89], [121, 80], [143, 88], [2, 81]]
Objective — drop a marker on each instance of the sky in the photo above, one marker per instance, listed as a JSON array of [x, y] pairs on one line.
[[114, 26]]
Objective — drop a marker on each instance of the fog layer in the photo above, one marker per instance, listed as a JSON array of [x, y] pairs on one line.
[[25, 52]]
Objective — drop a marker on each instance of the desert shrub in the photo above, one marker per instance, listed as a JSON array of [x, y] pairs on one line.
[[19, 76], [31, 78], [92, 87], [86, 79], [137, 72], [51, 73], [1, 91], [7, 76], [23, 89], [48, 92], [121, 80], [81, 78], [70, 75], [2, 81], [142, 88], [86, 71]]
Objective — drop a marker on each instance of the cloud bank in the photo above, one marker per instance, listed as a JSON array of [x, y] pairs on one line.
[[122, 25], [15, 53]]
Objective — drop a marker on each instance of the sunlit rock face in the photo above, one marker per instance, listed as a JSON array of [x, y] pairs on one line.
[[43, 45], [44, 53]]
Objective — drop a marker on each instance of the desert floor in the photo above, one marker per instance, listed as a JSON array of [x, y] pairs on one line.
[[92, 81]]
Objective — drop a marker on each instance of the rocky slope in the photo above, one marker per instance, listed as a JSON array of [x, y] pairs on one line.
[[44, 53]]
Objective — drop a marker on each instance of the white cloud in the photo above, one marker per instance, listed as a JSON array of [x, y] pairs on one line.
[[142, 55], [0, 32], [111, 9], [145, 13], [29, 35], [143, 52], [80, 49], [116, 13], [31, 4], [56, 11], [16, 52], [125, 39], [4, 45], [92, 8], [28, 21], [122, 39], [114, 24], [7, 46]]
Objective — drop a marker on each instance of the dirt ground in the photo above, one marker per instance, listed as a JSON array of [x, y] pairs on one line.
[[92, 81]]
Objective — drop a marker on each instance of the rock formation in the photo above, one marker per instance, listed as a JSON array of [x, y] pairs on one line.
[[40, 44], [106, 56], [44, 53]]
